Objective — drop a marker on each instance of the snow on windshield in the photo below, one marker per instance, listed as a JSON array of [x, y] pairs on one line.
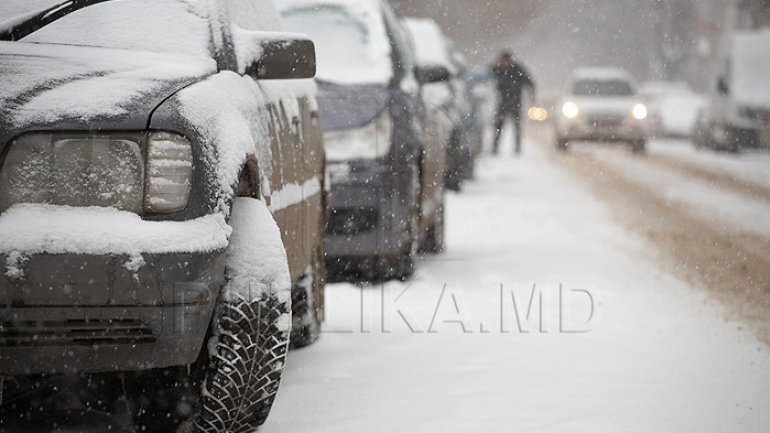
[[351, 39], [429, 43], [602, 88], [170, 26], [10, 9], [751, 67]]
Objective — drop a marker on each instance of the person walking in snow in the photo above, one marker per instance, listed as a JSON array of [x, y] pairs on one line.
[[512, 80]]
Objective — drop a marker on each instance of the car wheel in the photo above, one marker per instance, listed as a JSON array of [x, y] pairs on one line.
[[305, 308], [251, 327]]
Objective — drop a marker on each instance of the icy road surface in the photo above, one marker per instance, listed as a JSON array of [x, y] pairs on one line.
[[662, 351]]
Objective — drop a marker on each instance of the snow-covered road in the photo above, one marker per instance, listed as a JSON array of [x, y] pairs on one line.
[[445, 352]]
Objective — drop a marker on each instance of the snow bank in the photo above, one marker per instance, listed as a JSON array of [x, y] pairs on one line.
[[351, 39], [46, 229]]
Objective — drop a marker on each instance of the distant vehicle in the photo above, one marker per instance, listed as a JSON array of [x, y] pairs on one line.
[[602, 104], [673, 107], [160, 205], [449, 103], [738, 112], [386, 168]]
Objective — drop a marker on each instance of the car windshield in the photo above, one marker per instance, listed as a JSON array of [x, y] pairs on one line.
[[351, 47], [170, 26], [602, 88]]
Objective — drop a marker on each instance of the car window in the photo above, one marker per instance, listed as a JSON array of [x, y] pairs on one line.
[[602, 88], [352, 43], [171, 26]]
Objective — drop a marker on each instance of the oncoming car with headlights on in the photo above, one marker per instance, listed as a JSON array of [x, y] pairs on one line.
[[601, 104]]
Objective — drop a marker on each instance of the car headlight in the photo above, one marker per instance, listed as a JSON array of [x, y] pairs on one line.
[[169, 173], [639, 112], [570, 110], [73, 170], [102, 170], [369, 142]]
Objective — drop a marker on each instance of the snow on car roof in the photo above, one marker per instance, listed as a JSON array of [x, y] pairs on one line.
[[601, 73], [351, 39], [430, 43], [750, 68]]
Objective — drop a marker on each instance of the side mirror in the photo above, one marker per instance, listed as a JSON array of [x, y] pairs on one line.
[[285, 59], [432, 74], [722, 86]]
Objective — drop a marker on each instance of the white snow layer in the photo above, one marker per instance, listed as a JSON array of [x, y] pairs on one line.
[[430, 44], [352, 44], [169, 26], [36, 229], [103, 82], [256, 258]]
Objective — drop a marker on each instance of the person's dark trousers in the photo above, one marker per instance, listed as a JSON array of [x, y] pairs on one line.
[[500, 117]]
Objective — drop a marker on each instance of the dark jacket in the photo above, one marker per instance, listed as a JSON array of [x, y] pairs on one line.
[[511, 82]]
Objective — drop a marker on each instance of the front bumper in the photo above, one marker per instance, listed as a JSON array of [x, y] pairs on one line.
[[603, 128], [76, 313], [370, 212]]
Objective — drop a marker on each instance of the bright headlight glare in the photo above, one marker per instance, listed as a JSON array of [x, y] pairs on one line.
[[369, 142], [639, 112], [169, 173], [570, 110]]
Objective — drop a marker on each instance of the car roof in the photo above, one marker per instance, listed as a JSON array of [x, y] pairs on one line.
[[601, 73]]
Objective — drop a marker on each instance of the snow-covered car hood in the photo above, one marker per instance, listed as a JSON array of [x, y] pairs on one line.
[[348, 107], [604, 105], [60, 87]]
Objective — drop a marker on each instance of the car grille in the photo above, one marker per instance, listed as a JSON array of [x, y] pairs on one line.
[[352, 221], [606, 121], [74, 333]]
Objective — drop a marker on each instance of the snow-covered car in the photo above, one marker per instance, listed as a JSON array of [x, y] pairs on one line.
[[161, 203], [386, 169], [737, 115], [601, 104], [447, 103], [673, 108]]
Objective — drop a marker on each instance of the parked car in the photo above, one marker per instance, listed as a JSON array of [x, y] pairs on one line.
[[160, 205], [738, 112], [385, 165], [673, 108], [601, 104], [447, 102]]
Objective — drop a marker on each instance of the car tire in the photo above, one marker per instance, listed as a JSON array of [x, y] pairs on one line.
[[305, 307], [434, 241], [247, 355]]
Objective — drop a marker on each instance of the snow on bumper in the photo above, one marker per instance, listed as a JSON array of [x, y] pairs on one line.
[[87, 290]]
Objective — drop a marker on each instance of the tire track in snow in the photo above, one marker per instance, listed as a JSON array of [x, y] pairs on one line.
[[719, 178], [731, 265]]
